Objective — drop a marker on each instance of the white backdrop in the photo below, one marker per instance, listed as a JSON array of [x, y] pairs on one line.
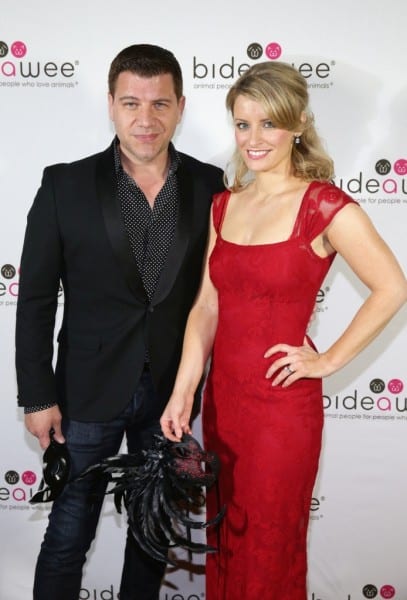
[[53, 108]]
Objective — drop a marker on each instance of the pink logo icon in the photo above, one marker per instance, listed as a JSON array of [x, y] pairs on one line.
[[395, 386], [387, 591], [400, 166], [29, 477], [18, 49], [273, 51]]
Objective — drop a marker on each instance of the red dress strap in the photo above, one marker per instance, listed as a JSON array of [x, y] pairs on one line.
[[219, 205]]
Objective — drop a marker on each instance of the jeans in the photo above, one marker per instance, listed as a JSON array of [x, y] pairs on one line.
[[75, 514]]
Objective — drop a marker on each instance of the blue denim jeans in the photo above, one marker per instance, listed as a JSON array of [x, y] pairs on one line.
[[74, 515]]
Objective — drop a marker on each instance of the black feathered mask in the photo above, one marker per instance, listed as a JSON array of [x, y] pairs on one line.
[[56, 465], [160, 488]]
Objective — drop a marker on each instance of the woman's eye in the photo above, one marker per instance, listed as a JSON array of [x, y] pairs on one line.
[[268, 124], [240, 125]]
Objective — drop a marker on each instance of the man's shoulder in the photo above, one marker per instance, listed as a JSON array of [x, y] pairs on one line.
[[198, 166], [85, 163]]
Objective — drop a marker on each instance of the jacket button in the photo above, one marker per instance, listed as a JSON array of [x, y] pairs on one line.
[[151, 309]]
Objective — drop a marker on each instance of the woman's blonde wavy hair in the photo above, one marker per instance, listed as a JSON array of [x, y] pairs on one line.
[[283, 93]]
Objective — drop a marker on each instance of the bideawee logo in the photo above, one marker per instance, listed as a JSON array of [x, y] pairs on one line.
[[387, 186], [369, 591], [109, 593], [385, 591], [16, 489], [9, 283], [383, 402], [19, 69], [316, 512], [221, 74]]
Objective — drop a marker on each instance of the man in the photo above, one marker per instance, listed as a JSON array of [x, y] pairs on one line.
[[125, 231]]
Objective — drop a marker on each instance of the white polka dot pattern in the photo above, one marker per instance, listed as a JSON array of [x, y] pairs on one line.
[[150, 231]]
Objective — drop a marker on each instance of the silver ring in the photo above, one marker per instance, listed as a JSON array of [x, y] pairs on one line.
[[289, 369]]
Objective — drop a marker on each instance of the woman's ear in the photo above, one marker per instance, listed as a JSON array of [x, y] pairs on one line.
[[303, 120]]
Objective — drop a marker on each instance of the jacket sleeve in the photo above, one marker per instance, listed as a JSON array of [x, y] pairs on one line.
[[40, 273]]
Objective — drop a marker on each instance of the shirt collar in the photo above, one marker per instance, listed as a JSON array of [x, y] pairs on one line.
[[175, 159]]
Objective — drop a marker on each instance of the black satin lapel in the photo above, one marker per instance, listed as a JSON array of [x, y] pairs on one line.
[[107, 193], [181, 238]]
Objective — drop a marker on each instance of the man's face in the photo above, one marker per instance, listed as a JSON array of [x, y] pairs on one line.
[[145, 112]]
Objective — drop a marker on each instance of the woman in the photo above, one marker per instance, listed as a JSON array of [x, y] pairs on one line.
[[273, 237]]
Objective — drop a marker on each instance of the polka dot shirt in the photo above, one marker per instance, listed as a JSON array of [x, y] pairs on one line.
[[150, 230]]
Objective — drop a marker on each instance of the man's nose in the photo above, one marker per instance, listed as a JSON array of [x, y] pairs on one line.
[[145, 116]]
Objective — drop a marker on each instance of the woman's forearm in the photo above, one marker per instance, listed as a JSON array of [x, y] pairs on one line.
[[368, 322], [198, 342]]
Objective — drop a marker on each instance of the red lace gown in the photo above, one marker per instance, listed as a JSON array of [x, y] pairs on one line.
[[268, 439]]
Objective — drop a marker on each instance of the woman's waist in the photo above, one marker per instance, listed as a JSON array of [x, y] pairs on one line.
[[256, 336], [248, 383], [241, 356]]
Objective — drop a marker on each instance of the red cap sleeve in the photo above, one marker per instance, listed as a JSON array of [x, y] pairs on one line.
[[323, 201]]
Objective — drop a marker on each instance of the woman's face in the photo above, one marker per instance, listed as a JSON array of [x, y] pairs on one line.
[[263, 147]]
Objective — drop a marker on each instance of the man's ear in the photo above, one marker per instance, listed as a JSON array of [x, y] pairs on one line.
[[110, 100]]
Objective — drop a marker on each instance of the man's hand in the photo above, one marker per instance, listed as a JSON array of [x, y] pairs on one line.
[[40, 424]]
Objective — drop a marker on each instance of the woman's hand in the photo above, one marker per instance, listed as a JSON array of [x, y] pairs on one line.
[[175, 418], [298, 362]]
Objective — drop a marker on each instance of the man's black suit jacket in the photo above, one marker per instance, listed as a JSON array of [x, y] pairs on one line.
[[75, 234]]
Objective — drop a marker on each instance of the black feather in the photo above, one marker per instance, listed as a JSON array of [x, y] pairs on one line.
[[160, 488]]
